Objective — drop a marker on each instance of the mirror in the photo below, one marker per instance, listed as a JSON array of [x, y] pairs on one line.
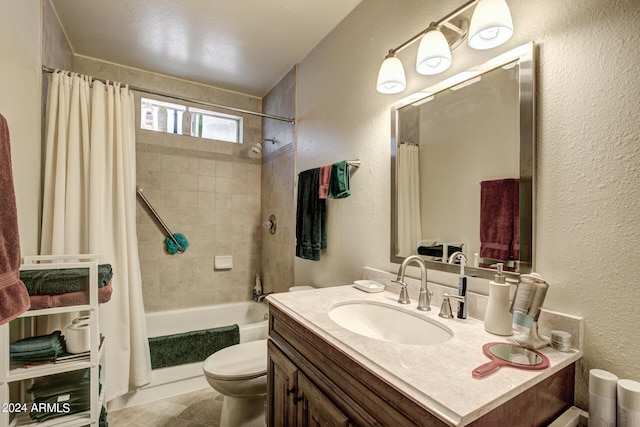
[[515, 356], [462, 163]]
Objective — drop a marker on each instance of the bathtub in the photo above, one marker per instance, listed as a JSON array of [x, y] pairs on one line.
[[250, 316]]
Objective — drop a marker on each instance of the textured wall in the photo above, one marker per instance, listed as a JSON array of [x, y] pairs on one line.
[[588, 152], [20, 94]]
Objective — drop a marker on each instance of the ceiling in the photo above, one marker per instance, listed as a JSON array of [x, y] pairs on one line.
[[242, 45]]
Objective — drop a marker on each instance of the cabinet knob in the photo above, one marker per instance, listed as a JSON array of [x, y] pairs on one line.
[[290, 390]]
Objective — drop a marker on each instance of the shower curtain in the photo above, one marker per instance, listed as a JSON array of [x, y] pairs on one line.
[[89, 207], [408, 193]]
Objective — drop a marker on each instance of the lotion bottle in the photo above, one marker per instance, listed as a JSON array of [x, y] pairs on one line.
[[498, 319], [257, 289]]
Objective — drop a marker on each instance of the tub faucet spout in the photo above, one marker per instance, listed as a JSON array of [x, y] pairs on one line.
[[261, 297], [424, 298]]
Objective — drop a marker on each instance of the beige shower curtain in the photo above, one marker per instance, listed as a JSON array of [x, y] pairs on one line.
[[408, 193], [89, 207]]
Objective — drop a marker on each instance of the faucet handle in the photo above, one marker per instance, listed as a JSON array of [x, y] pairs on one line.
[[445, 309], [404, 294]]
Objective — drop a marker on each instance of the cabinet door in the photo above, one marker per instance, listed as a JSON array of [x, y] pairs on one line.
[[282, 389], [315, 409]]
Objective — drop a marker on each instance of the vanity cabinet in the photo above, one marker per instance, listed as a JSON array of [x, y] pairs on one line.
[[313, 383], [296, 401]]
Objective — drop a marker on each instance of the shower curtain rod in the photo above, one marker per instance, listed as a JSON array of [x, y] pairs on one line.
[[48, 70]]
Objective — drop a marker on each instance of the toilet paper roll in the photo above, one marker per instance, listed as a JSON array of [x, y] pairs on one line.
[[628, 403], [81, 319], [77, 337]]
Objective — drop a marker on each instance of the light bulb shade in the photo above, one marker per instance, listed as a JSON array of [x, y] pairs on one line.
[[434, 55], [391, 78], [491, 24]]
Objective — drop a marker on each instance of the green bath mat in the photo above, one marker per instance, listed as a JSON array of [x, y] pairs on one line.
[[190, 347]]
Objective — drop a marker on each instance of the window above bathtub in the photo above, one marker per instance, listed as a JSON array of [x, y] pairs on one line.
[[178, 119]]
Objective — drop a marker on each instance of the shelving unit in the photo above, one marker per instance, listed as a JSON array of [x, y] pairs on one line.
[[91, 361]]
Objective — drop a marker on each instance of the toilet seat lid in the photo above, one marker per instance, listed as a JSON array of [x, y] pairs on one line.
[[240, 361]]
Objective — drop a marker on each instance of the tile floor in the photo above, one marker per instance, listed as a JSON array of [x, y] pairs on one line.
[[196, 409]]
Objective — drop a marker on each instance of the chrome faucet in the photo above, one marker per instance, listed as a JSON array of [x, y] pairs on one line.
[[424, 298], [458, 256]]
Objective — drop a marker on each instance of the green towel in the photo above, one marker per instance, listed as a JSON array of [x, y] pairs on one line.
[[311, 217], [39, 348], [35, 344], [339, 182], [56, 282], [190, 347]]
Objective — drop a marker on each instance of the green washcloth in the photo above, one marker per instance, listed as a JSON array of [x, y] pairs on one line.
[[311, 217], [339, 183]]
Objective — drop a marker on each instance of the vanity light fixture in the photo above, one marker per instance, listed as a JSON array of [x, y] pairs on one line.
[[434, 54], [391, 78], [491, 25]]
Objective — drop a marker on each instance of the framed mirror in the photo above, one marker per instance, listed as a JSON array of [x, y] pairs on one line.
[[462, 168]]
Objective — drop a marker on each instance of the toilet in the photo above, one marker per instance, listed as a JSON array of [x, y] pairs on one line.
[[239, 373]]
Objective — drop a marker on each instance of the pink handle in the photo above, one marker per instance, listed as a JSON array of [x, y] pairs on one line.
[[486, 369]]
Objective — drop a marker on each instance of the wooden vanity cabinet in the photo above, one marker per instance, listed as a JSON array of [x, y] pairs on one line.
[[313, 383]]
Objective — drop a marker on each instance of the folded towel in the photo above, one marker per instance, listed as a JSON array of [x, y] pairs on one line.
[[437, 250], [311, 215], [339, 184], [56, 282], [72, 298], [325, 181], [44, 347], [33, 344], [499, 202], [14, 298], [42, 385]]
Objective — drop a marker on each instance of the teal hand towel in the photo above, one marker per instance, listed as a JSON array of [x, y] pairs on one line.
[[311, 215], [339, 182]]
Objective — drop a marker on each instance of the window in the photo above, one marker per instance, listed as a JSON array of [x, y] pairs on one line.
[[160, 116]]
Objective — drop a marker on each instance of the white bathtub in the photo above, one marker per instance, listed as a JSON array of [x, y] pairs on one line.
[[250, 316]]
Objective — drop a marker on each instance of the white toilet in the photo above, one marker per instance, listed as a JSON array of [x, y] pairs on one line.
[[239, 373]]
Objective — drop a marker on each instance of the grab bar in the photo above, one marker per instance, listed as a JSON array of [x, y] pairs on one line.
[[160, 221]]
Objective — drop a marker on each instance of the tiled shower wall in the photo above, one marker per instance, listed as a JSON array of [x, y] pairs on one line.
[[207, 190], [277, 186]]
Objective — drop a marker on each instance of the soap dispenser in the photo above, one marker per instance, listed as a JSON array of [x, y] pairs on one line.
[[498, 319]]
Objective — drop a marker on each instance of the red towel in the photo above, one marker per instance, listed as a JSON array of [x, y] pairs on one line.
[[500, 219], [39, 302], [325, 180], [14, 298]]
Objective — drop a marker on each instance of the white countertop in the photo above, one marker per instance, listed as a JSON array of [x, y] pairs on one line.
[[437, 377]]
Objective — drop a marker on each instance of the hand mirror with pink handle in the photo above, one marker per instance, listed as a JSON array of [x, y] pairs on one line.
[[505, 354]]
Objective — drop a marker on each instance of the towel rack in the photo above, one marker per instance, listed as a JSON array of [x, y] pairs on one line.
[[160, 221], [355, 163]]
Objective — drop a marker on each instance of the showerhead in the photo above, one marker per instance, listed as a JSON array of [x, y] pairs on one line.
[[257, 147]]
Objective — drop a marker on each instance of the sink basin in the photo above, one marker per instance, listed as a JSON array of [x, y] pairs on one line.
[[386, 323]]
